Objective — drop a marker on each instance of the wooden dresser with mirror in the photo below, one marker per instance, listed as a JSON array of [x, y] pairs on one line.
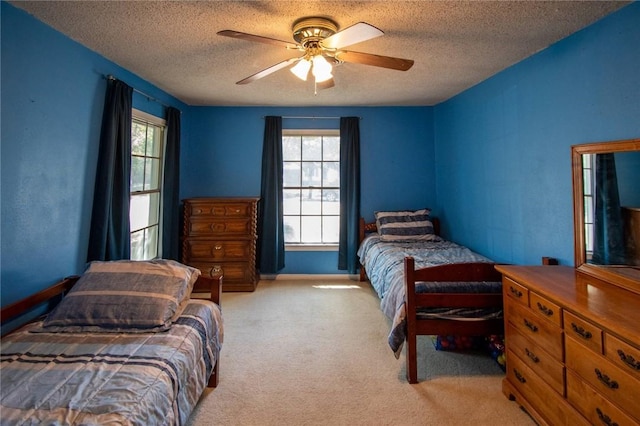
[[573, 334]]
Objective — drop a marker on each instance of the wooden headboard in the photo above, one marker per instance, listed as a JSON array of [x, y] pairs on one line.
[[366, 228]]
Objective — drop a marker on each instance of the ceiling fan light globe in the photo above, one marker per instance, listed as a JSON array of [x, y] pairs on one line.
[[321, 69], [301, 69]]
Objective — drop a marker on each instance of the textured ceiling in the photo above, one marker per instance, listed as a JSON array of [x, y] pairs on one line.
[[455, 44]]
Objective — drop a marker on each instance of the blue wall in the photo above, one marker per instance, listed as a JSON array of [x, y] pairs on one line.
[[503, 147], [493, 162], [225, 149], [52, 101]]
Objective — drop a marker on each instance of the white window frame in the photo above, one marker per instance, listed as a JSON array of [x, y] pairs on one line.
[[149, 119], [311, 246]]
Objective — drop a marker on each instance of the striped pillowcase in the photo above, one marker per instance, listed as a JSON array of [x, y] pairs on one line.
[[405, 225], [125, 296]]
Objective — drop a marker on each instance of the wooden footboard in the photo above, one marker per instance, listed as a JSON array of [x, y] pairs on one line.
[[447, 273], [54, 294]]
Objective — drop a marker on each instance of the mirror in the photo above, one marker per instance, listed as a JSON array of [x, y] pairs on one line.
[[606, 192]]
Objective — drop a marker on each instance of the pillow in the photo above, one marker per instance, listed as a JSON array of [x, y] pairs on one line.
[[125, 296], [405, 225]]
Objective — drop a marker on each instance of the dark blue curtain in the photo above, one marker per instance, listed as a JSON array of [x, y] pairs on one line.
[[608, 240], [349, 193], [109, 237], [171, 188], [270, 256]]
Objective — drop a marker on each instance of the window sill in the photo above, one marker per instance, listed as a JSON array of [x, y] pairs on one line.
[[311, 247]]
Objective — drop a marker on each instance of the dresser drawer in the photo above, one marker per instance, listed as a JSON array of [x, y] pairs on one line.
[[515, 291], [232, 272], [221, 209], [550, 405], [541, 363], [593, 406], [605, 377], [583, 331], [622, 354], [545, 308], [544, 333], [218, 250], [221, 228]]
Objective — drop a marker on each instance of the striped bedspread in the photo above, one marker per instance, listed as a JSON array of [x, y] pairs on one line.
[[384, 263], [109, 378]]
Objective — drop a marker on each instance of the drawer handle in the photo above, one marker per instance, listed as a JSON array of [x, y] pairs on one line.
[[606, 380], [581, 331], [216, 268], [531, 326], [532, 356], [629, 360], [515, 292], [548, 312], [605, 419], [519, 376], [218, 247]]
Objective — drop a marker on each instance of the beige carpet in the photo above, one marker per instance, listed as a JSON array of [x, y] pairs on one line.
[[315, 353]]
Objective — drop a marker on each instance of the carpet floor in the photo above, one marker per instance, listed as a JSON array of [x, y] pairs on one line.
[[314, 352]]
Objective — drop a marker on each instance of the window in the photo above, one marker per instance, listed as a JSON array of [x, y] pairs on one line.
[[311, 187], [147, 140], [589, 206]]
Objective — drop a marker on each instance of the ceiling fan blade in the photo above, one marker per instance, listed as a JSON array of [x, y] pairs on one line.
[[328, 84], [265, 72], [375, 60], [259, 39], [356, 33]]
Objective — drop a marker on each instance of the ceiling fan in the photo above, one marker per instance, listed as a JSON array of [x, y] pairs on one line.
[[322, 46]]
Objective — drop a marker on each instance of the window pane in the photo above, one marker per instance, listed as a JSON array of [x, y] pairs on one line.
[[330, 229], [331, 174], [291, 148], [291, 174], [138, 138], [291, 201], [587, 181], [154, 141], [152, 174], [291, 229], [137, 245], [311, 148], [311, 229], [331, 148], [137, 174], [151, 243], [144, 210], [311, 174], [312, 203], [331, 201]]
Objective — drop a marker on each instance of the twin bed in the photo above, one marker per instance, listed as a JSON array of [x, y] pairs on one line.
[[427, 285], [126, 345]]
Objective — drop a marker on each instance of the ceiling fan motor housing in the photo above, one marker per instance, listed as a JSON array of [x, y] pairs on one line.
[[310, 31]]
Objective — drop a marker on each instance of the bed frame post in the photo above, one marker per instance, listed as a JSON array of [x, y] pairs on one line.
[[410, 307]]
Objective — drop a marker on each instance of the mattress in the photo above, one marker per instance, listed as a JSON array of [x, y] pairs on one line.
[[110, 378]]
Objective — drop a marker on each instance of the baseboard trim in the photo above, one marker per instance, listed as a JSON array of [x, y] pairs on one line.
[[282, 277]]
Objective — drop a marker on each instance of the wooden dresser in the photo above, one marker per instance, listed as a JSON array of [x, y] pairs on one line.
[[572, 346], [219, 237]]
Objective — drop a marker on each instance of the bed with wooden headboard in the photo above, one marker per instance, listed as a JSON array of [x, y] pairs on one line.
[[126, 343], [427, 285]]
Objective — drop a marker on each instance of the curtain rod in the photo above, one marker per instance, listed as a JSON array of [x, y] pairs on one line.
[[149, 97], [311, 117]]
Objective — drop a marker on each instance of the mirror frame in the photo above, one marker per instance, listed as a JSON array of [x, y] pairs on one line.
[[622, 277]]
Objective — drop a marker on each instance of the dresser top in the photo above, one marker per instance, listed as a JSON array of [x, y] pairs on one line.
[[221, 199], [615, 308]]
